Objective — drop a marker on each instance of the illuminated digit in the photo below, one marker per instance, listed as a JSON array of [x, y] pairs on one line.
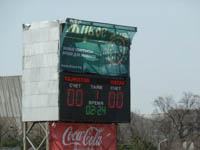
[[79, 97], [93, 110], [104, 110], [115, 100], [111, 99], [88, 110], [70, 97], [99, 110], [120, 97]]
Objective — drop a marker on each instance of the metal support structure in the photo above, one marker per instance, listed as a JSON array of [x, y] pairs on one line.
[[47, 140], [24, 136], [27, 136]]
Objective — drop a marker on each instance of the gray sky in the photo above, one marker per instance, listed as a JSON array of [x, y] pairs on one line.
[[165, 54]]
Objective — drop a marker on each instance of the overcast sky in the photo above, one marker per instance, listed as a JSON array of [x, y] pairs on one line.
[[165, 52]]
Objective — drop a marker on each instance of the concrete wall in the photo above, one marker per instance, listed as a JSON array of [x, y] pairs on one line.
[[40, 71]]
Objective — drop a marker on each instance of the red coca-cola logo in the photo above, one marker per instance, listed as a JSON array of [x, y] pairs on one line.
[[74, 136], [90, 137]]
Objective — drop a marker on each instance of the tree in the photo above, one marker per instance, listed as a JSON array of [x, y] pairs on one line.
[[179, 120], [9, 133], [137, 135]]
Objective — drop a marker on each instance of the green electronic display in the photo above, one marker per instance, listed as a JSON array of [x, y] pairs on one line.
[[95, 110], [98, 48]]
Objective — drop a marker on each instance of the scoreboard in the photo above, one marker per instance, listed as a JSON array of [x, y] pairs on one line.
[[94, 98], [94, 77]]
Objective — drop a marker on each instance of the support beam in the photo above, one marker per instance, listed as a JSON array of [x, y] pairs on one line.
[[47, 140], [27, 136], [24, 136]]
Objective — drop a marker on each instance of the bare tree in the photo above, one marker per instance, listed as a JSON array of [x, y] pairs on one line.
[[138, 133], [180, 120], [4, 128], [142, 126]]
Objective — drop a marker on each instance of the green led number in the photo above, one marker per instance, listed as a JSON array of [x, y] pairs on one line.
[[88, 110], [101, 110], [92, 110]]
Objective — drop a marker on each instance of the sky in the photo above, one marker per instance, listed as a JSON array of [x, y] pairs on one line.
[[165, 52]]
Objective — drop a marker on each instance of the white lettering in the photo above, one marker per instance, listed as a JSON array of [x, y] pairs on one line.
[[115, 88], [74, 85], [68, 133], [90, 137]]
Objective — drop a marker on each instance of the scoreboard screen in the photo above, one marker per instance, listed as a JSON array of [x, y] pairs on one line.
[[94, 98]]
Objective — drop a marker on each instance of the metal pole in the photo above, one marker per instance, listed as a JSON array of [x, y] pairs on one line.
[[24, 135], [47, 139]]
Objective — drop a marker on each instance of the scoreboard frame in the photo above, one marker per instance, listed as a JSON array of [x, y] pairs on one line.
[[94, 98]]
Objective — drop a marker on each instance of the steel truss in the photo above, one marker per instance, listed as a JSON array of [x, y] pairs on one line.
[[27, 128]]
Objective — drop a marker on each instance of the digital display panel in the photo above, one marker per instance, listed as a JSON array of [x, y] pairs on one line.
[[94, 98]]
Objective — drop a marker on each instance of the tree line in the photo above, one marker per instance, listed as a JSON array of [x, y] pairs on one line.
[[175, 125]]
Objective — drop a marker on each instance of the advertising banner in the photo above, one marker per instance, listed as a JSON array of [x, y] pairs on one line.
[[76, 136], [99, 48]]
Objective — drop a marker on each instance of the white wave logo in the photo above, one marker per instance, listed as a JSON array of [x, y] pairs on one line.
[[90, 137]]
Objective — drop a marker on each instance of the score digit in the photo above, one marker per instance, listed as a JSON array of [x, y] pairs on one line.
[[74, 97], [115, 99]]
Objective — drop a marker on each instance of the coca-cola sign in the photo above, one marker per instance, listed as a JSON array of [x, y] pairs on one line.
[[78, 136]]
